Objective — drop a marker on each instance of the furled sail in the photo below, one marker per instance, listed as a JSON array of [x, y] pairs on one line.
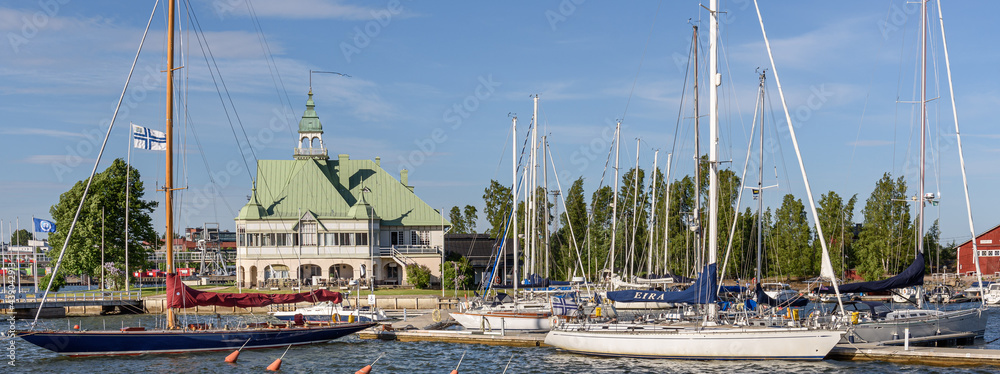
[[182, 296], [701, 292], [912, 276]]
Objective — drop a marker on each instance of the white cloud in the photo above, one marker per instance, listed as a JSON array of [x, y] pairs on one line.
[[300, 9]]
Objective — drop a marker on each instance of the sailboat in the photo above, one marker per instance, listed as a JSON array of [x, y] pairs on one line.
[[919, 322], [194, 337], [707, 339]]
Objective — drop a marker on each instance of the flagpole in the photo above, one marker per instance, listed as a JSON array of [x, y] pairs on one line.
[[34, 253], [128, 190], [17, 260]]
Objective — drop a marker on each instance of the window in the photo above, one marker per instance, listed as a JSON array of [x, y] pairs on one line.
[[330, 239], [282, 240], [308, 233], [396, 238], [241, 235], [420, 238], [360, 238], [345, 238]]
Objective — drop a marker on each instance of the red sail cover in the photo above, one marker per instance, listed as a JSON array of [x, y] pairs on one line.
[[182, 296]]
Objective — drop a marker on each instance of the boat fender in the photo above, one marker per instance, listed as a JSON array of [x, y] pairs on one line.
[[364, 370], [436, 315], [233, 356]]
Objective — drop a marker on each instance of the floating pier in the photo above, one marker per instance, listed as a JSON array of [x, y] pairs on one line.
[[946, 356]]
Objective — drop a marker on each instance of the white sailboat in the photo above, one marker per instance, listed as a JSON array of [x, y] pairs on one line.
[[706, 340]]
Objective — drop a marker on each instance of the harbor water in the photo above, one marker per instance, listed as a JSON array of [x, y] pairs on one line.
[[350, 354]]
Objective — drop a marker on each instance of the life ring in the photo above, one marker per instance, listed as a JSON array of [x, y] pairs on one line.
[[553, 322], [436, 315]]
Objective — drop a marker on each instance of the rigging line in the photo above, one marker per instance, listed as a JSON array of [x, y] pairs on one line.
[[504, 150], [864, 108], [641, 59], [680, 109], [569, 222], [225, 109], [269, 58], [86, 189]]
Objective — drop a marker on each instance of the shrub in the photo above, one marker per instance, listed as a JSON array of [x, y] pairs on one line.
[[418, 275]]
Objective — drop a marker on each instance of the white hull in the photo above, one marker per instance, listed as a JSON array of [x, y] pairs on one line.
[[496, 321], [721, 343]]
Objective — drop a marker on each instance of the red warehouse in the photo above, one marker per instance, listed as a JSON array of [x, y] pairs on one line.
[[988, 244]]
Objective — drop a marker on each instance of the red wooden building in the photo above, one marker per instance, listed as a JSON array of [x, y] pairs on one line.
[[988, 245]]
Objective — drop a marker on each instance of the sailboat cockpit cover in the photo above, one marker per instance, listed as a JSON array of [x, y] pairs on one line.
[[701, 292], [181, 296], [912, 276]]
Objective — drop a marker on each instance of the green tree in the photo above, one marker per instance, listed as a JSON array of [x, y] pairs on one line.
[[456, 274], [469, 217], [498, 200], [932, 247], [21, 237], [107, 194], [572, 233], [633, 213], [885, 245], [791, 237], [599, 235], [457, 222], [837, 220], [418, 275]]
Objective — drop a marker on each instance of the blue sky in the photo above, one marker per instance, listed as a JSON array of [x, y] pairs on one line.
[[433, 83]]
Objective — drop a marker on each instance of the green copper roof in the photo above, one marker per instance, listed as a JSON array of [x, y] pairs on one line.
[[310, 121], [289, 188]]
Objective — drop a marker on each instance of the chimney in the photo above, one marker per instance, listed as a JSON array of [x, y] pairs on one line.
[[378, 161], [342, 171], [404, 177]]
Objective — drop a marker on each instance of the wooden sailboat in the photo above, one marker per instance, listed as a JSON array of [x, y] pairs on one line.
[[706, 340], [191, 338]]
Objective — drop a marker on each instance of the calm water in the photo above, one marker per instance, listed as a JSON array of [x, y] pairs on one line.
[[349, 354]]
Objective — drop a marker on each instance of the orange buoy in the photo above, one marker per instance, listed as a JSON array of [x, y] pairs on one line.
[[274, 366], [454, 372], [76, 327], [236, 354], [364, 370]]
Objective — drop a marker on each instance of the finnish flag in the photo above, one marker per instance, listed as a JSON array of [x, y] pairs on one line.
[[146, 138]]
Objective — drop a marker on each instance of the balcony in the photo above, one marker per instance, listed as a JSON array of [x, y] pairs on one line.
[[307, 153]]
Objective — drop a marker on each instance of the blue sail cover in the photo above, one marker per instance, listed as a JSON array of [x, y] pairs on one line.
[[701, 292], [763, 298], [912, 276]]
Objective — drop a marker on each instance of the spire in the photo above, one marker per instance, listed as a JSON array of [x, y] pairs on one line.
[[310, 121], [310, 134]]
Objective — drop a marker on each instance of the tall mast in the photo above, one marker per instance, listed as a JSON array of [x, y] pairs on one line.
[[666, 217], [533, 209], [513, 202], [760, 184], [614, 202], [630, 260], [697, 153], [923, 137], [168, 187], [715, 80], [652, 216], [545, 207]]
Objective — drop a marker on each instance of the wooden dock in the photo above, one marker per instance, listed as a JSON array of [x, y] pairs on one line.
[[459, 336], [945, 356]]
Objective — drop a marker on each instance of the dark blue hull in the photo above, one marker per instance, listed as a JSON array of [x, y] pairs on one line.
[[94, 343]]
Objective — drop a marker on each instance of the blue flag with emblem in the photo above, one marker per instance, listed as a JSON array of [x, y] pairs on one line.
[[146, 138], [564, 305], [43, 225]]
